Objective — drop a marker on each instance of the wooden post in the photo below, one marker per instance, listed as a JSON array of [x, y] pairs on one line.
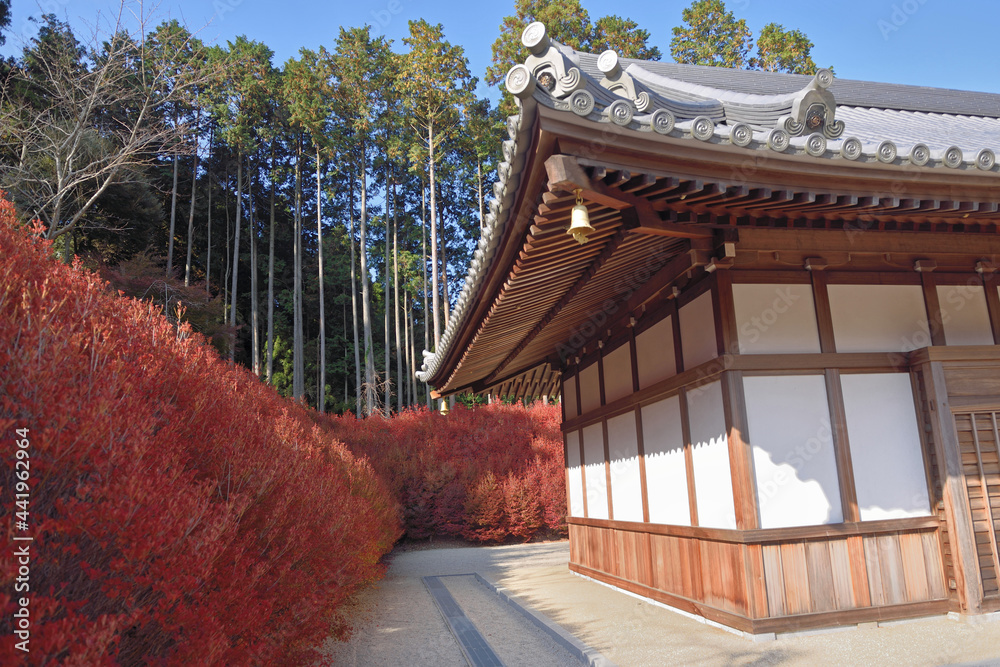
[[842, 447], [579, 440], [641, 444], [935, 321], [688, 457], [954, 491], [992, 283], [604, 430], [824, 317]]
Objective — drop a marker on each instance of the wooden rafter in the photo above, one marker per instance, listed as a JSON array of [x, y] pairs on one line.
[[598, 262]]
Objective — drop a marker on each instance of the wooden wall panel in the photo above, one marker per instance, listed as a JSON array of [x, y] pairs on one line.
[[971, 381], [796, 578], [891, 561], [676, 566], [841, 575], [904, 568], [978, 437], [914, 569], [937, 587], [723, 577], [820, 572], [774, 581], [807, 582]]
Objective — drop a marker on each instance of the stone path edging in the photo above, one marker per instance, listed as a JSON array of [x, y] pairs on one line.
[[586, 654], [477, 650]]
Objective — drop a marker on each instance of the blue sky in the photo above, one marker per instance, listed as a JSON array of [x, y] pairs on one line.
[[938, 43]]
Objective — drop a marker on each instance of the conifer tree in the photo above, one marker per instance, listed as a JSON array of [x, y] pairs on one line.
[[436, 85], [360, 63], [309, 95]]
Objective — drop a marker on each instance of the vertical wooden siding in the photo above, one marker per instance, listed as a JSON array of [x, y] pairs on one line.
[[801, 577], [978, 440]]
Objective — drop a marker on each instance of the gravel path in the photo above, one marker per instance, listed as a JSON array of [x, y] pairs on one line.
[[397, 623], [515, 640]]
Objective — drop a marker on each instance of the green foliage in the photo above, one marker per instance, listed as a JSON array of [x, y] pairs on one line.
[[435, 79], [624, 36], [239, 94], [360, 64], [4, 19], [780, 50], [712, 36], [308, 92]]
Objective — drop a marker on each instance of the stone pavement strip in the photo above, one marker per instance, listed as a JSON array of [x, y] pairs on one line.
[[397, 623], [475, 647]]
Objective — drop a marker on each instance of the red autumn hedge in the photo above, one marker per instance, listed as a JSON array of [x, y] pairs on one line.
[[488, 474], [182, 512]]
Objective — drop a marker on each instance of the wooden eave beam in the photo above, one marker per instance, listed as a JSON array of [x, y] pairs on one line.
[[565, 173], [589, 273], [694, 254], [523, 210]]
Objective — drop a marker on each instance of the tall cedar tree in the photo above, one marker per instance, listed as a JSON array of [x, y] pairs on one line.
[[275, 128], [712, 36], [238, 103], [309, 95], [436, 86], [179, 55], [4, 19], [360, 63]]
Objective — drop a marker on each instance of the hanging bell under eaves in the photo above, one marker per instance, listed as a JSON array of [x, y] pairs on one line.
[[579, 227]]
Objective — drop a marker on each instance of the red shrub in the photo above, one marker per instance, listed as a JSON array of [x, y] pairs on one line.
[[485, 474], [182, 512], [484, 510]]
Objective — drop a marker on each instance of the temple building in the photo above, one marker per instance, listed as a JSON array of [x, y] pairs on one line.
[[774, 325]]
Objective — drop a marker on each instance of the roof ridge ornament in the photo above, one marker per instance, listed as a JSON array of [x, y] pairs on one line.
[[546, 66], [814, 109], [620, 82]]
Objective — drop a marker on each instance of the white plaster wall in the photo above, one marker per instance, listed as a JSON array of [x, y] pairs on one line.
[[879, 318], [965, 315], [575, 474], [776, 319], [569, 395], [885, 446], [590, 388], [618, 373], [597, 479], [666, 471], [626, 486], [654, 349], [698, 331], [713, 480], [794, 460]]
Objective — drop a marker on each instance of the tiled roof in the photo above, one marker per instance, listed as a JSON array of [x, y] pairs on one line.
[[818, 116], [848, 92]]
